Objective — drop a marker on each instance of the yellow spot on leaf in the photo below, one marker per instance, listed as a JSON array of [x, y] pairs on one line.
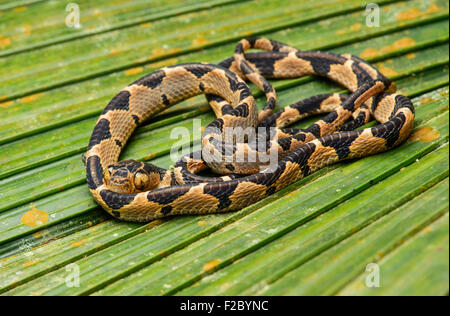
[[202, 223], [161, 51], [369, 52], [26, 29], [225, 286], [34, 217], [80, 243], [387, 71], [6, 104], [163, 63], [426, 100], [409, 14], [355, 26], [133, 71], [199, 41], [19, 9], [415, 13], [31, 263], [158, 51], [4, 41], [411, 56], [425, 134], [427, 230], [30, 98], [114, 52], [150, 156], [293, 193], [211, 265], [433, 8], [380, 255], [399, 44], [4, 263], [352, 28], [146, 25]]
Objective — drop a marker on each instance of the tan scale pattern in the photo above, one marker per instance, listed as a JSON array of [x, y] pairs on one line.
[[292, 67]]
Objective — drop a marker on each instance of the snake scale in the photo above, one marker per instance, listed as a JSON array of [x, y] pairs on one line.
[[137, 191]]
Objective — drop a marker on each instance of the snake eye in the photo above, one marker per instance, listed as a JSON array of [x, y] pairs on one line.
[[141, 180], [107, 174]]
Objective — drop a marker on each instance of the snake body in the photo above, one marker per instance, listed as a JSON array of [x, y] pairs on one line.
[[138, 191]]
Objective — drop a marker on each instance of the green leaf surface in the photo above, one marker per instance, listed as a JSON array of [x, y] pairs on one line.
[[332, 269], [114, 51], [24, 26], [419, 267], [315, 237]]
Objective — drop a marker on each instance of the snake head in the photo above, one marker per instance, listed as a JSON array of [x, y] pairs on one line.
[[131, 176]]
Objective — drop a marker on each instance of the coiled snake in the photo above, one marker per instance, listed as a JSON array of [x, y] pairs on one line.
[[138, 191]]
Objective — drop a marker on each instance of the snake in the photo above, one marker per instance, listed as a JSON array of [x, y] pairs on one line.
[[133, 190]]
